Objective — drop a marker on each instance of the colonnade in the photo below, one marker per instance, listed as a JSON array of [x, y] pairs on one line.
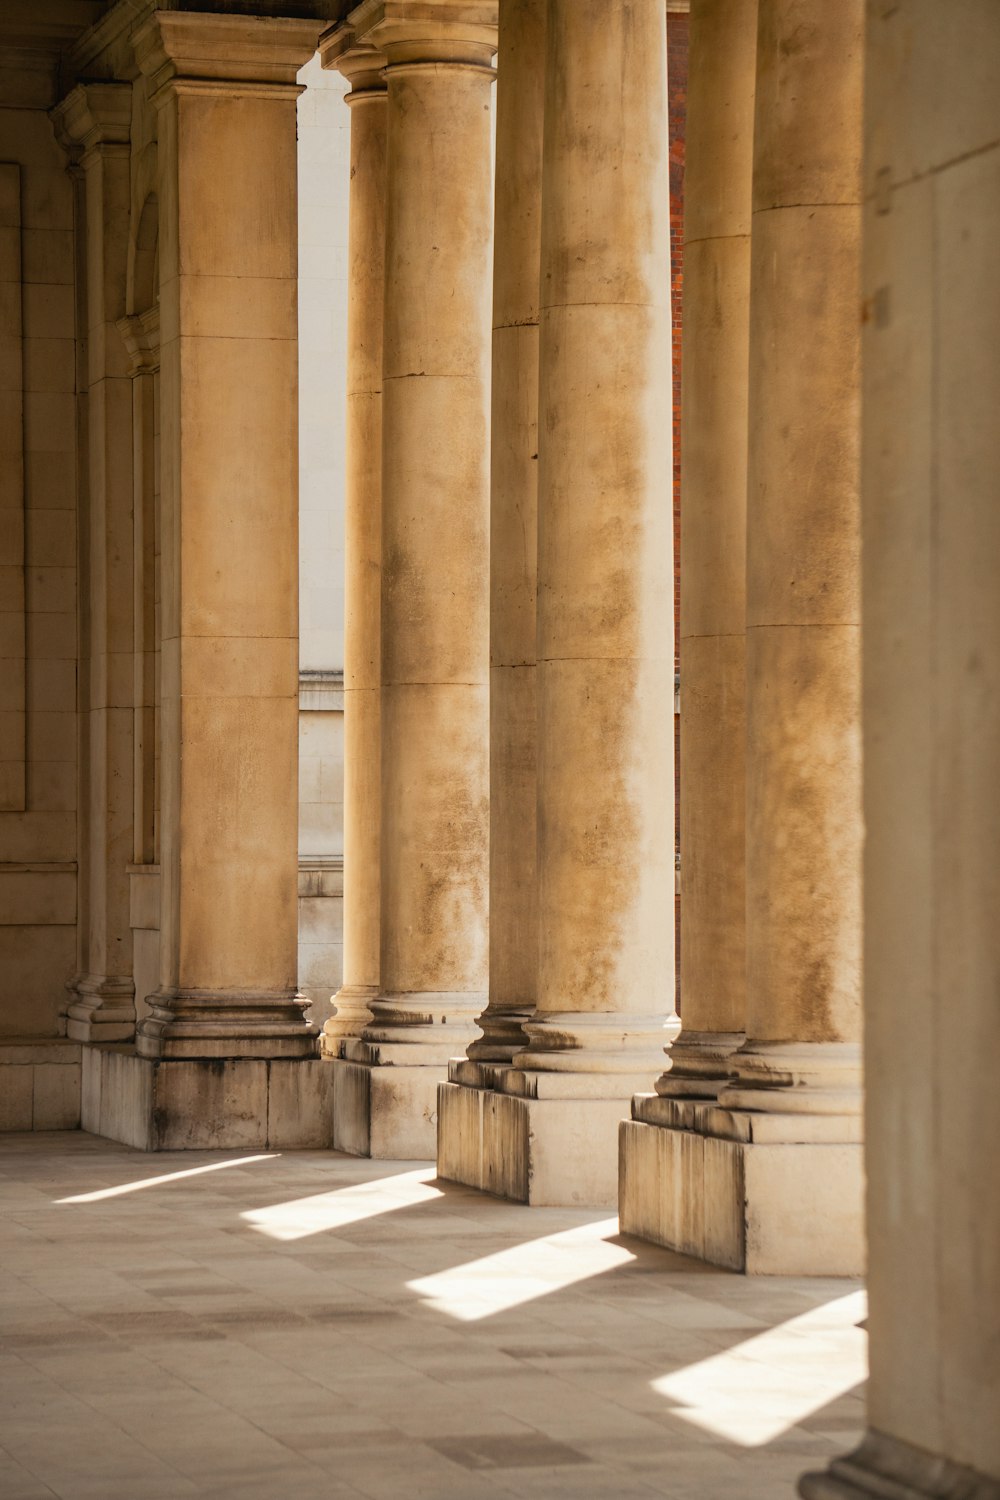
[[509, 680], [572, 616]]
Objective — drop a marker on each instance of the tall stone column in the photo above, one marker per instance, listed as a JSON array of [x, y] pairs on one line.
[[931, 699], [661, 1187], [514, 530], [605, 611], [435, 588], [781, 1179], [513, 582], [96, 117], [362, 66], [226, 1025]]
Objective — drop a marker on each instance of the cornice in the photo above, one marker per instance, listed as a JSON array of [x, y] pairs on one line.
[[174, 46], [94, 115], [359, 62], [422, 31]]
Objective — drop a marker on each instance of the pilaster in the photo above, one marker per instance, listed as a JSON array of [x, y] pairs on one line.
[[225, 90], [94, 121]]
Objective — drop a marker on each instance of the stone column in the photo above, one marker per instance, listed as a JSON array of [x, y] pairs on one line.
[[661, 1179], [435, 590], [799, 1075], [513, 581], [225, 88], [605, 611], [362, 66], [96, 117], [781, 1173], [931, 700]]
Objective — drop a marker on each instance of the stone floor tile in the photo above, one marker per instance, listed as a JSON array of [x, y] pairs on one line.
[[161, 1345]]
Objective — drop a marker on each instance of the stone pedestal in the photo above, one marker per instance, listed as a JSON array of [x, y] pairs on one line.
[[773, 1194], [434, 599], [207, 1104]]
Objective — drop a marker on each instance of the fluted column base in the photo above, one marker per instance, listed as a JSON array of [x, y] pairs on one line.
[[701, 1064], [225, 1024], [102, 1008], [543, 1129], [388, 1075], [772, 1190], [351, 1016], [884, 1468]]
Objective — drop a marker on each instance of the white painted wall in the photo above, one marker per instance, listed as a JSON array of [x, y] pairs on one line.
[[324, 175]]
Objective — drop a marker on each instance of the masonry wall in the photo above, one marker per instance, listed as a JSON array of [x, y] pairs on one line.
[[38, 569]]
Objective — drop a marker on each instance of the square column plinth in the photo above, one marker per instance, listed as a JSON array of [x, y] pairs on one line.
[[765, 1193], [546, 1139], [385, 1111], [235, 1103]]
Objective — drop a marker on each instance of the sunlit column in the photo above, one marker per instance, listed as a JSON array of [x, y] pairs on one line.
[[717, 180], [605, 608], [803, 569], [435, 583], [514, 531]]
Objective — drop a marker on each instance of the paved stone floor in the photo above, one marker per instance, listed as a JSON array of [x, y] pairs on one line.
[[309, 1327]]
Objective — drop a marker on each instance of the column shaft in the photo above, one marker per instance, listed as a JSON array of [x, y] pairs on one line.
[[435, 559], [514, 530], [362, 537], [803, 567], [605, 845], [228, 265], [605, 615], [717, 183]]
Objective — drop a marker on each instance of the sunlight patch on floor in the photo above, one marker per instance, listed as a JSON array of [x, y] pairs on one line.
[[149, 1182], [520, 1274], [336, 1210], [754, 1392]]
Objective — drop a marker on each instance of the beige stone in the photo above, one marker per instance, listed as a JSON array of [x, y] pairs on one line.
[[514, 531], [97, 118], [718, 174], [363, 537], [226, 155], [930, 648], [434, 588]]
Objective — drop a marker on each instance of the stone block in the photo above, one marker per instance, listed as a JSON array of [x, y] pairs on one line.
[[56, 1102], [16, 1085], [299, 1104], [556, 1152], [460, 1134], [772, 1208], [205, 1104], [387, 1113]]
